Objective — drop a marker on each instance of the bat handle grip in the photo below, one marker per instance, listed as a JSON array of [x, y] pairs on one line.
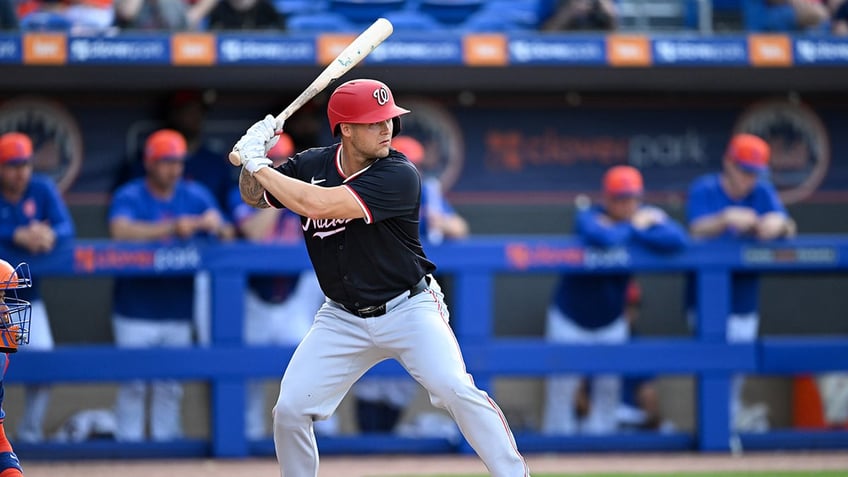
[[235, 158]]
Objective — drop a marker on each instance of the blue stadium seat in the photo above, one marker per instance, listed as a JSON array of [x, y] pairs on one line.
[[295, 7], [523, 14], [759, 16], [45, 21], [451, 12], [320, 22], [493, 21], [408, 20], [365, 11]]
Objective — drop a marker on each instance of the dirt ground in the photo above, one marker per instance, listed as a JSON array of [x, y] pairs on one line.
[[372, 466]]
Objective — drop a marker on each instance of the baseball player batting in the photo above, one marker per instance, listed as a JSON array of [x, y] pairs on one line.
[[359, 201]]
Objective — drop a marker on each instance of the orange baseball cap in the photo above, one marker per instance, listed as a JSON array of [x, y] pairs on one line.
[[623, 181], [750, 152], [15, 148], [410, 147], [284, 148], [165, 145]]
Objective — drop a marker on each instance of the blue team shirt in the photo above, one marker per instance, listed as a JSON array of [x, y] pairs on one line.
[[158, 297], [707, 197], [595, 301], [203, 165], [431, 203], [40, 202], [287, 230]]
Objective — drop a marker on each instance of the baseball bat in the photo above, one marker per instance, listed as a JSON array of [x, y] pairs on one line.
[[353, 53]]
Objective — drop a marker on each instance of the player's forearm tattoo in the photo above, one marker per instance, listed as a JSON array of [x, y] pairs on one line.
[[252, 193]]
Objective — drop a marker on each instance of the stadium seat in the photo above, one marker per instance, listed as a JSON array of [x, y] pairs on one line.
[[493, 21], [295, 7], [320, 22], [658, 15], [406, 20], [522, 14], [45, 21], [365, 11], [450, 12]]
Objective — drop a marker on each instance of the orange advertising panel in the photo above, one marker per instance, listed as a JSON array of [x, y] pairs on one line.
[[329, 46], [770, 50], [629, 50], [45, 49], [485, 50], [193, 49]]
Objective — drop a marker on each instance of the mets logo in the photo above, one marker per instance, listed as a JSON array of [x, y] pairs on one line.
[[56, 137], [381, 95], [439, 133], [800, 146]]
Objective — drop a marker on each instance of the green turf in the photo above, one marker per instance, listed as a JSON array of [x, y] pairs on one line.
[[820, 473]]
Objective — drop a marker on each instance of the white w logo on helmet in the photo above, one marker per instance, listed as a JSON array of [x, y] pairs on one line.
[[381, 95]]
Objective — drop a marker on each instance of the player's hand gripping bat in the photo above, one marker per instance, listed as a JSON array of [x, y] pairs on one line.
[[355, 52]]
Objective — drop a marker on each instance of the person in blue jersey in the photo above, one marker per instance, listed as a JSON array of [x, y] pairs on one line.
[[34, 220], [278, 308], [590, 309], [739, 203], [163, 208], [381, 402], [359, 202], [15, 327]]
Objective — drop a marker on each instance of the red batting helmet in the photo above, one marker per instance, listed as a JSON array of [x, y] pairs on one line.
[[363, 101]]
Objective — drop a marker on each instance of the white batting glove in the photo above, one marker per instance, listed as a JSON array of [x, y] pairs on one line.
[[262, 132], [267, 129], [253, 156]]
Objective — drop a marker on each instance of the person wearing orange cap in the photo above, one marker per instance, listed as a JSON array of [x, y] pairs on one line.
[[739, 203], [278, 310], [159, 208], [591, 309], [35, 220]]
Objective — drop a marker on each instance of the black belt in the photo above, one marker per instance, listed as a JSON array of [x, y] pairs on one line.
[[380, 310]]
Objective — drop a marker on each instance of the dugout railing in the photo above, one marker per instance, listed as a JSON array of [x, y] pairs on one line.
[[474, 265]]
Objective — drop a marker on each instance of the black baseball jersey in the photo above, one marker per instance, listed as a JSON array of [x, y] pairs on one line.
[[367, 261]]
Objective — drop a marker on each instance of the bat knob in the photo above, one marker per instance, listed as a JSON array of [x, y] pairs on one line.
[[235, 158]]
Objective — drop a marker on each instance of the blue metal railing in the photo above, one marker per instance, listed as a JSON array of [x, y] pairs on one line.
[[226, 364]]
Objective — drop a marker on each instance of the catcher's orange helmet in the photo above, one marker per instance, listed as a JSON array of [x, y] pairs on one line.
[[363, 101], [15, 312]]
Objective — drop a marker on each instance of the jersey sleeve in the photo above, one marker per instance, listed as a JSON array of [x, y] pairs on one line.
[[122, 207], [667, 235], [391, 189], [594, 230], [768, 199], [205, 201], [57, 212], [698, 203]]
